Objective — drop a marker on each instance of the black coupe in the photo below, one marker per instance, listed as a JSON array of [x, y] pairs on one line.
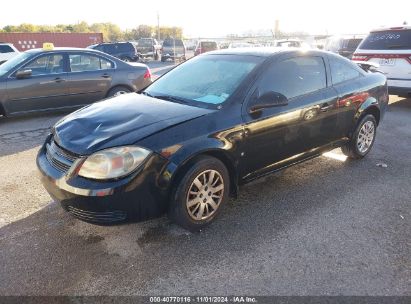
[[222, 119]]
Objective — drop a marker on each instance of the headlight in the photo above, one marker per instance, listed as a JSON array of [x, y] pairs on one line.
[[113, 163]]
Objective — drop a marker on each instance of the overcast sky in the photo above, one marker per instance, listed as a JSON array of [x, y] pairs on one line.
[[216, 18]]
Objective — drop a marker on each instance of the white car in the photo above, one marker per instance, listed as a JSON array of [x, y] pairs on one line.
[[391, 49], [7, 51]]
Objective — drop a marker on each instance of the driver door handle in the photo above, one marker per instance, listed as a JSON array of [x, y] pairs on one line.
[[105, 76], [58, 79], [325, 107]]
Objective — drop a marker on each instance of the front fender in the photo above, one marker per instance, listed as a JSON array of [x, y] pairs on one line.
[[181, 157]]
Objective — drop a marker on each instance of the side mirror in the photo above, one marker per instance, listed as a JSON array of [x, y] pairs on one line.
[[22, 74], [268, 100]]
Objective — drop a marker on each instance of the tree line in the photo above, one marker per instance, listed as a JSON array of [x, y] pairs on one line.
[[110, 31]]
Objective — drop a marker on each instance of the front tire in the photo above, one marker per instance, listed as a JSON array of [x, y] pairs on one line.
[[363, 138], [199, 194]]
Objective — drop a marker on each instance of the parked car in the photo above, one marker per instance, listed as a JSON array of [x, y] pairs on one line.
[[345, 46], [205, 46], [125, 51], [65, 78], [235, 45], [215, 122], [173, 49], [391, 49], [148, 47], [7, 51], [292, 43]]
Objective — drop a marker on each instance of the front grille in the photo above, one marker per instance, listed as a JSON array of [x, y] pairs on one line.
[[59, 158], [103, 217]]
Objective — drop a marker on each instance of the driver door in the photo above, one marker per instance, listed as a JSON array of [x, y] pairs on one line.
[[46, 88], [278, 135]]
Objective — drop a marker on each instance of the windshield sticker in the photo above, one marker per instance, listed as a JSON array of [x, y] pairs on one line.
[[214, 99], [387, 36]]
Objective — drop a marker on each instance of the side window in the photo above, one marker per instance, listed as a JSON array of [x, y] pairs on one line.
[[82, 63], [124, 47], [342, 70], [105, 64], [110, 48], [295, 77], [48, 64], [6, 49]]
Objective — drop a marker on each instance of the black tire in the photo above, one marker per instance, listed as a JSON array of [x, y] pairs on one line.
[[163, 59], [157, 56], [118, 91], [127, 59], [178, 210], [351, 149]]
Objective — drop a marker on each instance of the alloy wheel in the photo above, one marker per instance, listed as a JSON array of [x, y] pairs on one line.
[[205, 195], [365, 137]]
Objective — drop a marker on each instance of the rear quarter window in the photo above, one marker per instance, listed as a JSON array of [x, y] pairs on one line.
[[387, 40], [342, 70]]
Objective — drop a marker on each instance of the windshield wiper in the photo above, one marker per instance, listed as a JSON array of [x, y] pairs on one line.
[[398, 46], [147, 94], [171, 98]]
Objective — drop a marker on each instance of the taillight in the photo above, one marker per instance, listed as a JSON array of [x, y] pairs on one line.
[[359, 57], [147, 75], [365, 57]]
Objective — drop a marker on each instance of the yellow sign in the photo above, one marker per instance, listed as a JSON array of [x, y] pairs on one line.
[[48, 46]]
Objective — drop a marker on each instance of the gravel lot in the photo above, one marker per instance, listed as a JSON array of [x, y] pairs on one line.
[[324, 227]]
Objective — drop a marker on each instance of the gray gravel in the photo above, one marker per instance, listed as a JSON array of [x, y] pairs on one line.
[[324, 227]]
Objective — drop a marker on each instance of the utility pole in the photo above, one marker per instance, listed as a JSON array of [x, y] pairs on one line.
[[158, 26]]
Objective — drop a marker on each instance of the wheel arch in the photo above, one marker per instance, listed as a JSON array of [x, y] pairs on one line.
[[119, 86], [2, 110], [219, 154], [373, 110], [369, 106]]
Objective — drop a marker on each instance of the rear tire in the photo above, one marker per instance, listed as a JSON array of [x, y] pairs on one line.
[[118, 91], [199, 194], [362, 139], [126, 59]]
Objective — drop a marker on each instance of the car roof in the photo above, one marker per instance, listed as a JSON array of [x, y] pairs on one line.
[[117, 42], [60, 49], [264, 51], [393, 28]]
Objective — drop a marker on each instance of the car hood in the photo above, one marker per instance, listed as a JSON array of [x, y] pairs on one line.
[[119, 121]]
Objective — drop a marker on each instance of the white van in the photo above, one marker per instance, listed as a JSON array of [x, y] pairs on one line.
[[7, 51], [391, 49]]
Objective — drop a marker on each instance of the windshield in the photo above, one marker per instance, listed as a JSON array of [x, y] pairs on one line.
[[204, 80], [351, 44], [209, 45], [10, 64], [144, 42], [387, 40], [171, 42]]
